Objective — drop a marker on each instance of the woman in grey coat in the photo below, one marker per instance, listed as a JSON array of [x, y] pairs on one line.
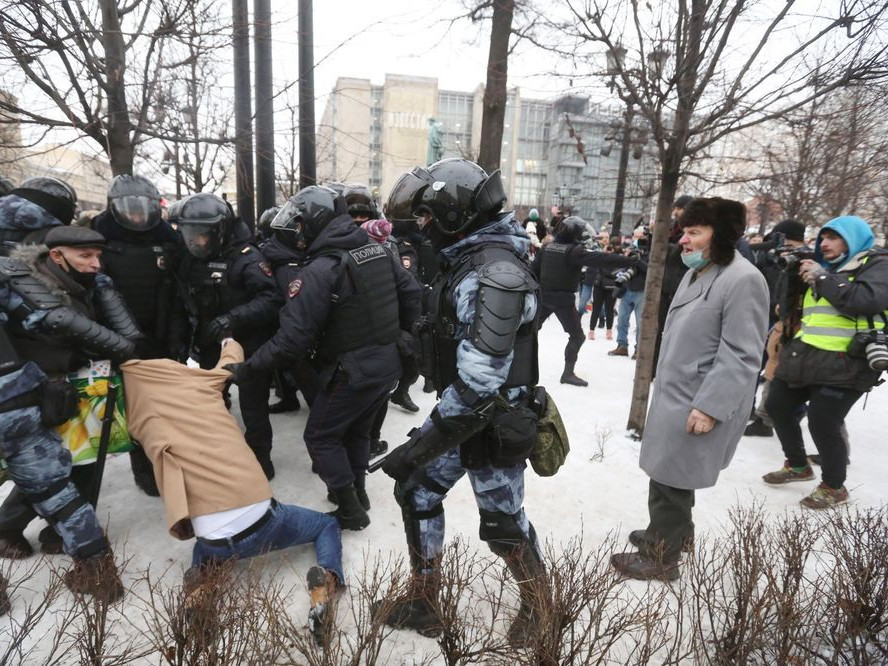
[[709, 360]]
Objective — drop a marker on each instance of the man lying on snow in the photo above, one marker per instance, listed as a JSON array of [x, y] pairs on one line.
[[211, 484]]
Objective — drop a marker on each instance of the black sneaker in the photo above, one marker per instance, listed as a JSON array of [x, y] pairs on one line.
[[758, 428], [378, 447]]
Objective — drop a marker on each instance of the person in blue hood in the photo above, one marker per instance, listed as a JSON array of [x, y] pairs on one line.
[[29, 211], [478, 343], [837, 354]]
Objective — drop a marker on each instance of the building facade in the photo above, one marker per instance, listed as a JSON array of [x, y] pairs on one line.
[[562, 153]]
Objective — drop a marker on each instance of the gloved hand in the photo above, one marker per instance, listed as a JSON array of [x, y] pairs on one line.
[[397, 465], [220, 328], [239, 372]]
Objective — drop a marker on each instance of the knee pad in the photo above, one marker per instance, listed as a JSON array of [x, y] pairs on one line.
[[501, 531]]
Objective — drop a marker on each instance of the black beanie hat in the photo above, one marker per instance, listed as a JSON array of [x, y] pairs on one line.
[[794, 231]]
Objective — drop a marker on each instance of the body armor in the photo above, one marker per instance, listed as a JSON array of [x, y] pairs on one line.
[[556, 273]]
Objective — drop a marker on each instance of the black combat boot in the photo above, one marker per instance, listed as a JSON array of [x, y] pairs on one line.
[[14, 546], [401, 398], [97, 576], [568, 376], [416, 609], [350, 514]]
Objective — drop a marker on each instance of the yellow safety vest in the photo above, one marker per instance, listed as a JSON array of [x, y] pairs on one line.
[[826, 328]]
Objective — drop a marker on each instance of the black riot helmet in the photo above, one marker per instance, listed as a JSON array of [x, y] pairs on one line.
[[55, 196], [572, 229], [263, 226], [134, 202], [459, 195], [204, 220], [399, 207], [360, 201], [306, 213]]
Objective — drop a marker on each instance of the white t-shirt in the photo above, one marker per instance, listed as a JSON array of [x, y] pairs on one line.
[[224, 524]]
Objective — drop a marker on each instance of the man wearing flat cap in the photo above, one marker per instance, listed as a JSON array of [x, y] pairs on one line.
[[58, 312]]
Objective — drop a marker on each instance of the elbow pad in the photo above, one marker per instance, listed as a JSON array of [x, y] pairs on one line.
[[499, 306], [94, 337], [116, 313]]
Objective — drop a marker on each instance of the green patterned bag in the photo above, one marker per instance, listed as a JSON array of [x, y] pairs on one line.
[[552, 445]]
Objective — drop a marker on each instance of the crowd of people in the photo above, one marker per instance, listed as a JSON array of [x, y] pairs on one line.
[[349, 305]]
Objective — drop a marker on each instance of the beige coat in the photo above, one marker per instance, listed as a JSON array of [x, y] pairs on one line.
[[201, 462]]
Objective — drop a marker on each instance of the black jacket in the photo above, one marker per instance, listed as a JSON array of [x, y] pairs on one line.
[[304, 317]]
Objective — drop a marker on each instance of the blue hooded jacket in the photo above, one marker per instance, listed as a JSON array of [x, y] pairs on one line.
[[856, 233]]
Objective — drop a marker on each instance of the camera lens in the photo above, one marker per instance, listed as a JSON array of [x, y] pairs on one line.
[[877, 356], [787, 262]]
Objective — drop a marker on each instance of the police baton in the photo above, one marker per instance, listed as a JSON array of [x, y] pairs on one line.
[[375, 465], [104, 439]]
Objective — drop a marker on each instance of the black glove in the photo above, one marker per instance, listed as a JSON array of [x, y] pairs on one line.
[[220, 328], [239, 372], [397, 464]]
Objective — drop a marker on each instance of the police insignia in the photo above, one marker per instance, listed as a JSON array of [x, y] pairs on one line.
[[407, 262], [294, 287], [265, 268]]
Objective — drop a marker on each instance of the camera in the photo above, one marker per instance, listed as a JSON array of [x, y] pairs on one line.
[[789, 259], [871, 345], [625, 275]]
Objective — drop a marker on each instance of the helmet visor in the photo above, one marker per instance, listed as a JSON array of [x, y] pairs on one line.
[[137, 213], [202, 240], [287, 218]]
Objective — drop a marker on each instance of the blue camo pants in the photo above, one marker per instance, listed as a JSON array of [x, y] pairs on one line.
[[38, 462], [498, 489]]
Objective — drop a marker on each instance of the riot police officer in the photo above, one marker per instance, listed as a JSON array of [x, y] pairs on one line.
[[350, 304], [51, 300], [142, 257], [30, 210], [559, 267], [479, 345], [229, 292]]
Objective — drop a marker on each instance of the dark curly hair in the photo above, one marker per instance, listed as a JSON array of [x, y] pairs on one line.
[[727, 219]]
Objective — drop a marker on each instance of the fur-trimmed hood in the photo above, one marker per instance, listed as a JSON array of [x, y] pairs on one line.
[[31, 256]]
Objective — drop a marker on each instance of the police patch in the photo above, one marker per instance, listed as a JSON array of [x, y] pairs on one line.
[[265, 268], [294, 287], [407, 262]]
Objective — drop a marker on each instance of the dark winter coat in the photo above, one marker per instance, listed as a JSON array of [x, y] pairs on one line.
[[305, 315], [709, 360]]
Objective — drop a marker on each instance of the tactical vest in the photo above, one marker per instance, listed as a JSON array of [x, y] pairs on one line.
[[556, 274], [143, 275], [368, 316], [439, 358], [826, 328]]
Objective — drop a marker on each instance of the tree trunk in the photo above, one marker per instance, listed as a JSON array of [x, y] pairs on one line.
[[494, 112], [119, 130]]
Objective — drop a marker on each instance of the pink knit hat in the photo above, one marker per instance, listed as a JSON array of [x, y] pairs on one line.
[[378, 230]]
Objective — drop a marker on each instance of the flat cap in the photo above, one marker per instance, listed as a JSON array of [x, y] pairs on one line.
[[74, 237]]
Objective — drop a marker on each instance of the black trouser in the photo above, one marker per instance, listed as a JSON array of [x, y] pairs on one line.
[[337, 433], [562, 304], [378, 420], [827, 408], [671, 522], [602, 298], [16, 512]]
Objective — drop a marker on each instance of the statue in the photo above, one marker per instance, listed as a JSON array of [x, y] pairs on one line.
[[436, 142]]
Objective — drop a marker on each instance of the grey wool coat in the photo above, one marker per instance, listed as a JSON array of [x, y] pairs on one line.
[[709, 360]]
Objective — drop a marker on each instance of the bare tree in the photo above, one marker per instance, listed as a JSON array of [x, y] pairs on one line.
[[700, 70]]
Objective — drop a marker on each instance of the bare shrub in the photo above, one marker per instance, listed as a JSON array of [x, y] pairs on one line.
[[602, 437]]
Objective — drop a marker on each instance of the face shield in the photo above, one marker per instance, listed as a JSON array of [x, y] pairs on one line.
[[136, 213], [288, 228], [203, 240]]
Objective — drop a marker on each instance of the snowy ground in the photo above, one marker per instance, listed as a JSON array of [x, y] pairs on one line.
[[588, 496]]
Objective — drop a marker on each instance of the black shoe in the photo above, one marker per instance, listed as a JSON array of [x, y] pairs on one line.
[[50, 542], [285, 405], [758, 428], [638, 538], [428, 386], [415, 610], [350, 514], [378, 447], [361, 491], [402, 399], [14, 546], [568, 377]]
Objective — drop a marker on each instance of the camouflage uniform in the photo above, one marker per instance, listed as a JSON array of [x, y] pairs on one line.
[[22, 221]]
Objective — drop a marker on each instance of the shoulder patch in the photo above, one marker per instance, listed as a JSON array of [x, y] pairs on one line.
[[265, 268], [294, 287]]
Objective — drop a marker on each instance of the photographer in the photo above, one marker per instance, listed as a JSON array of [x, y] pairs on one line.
[[837, 355], [631, 294]]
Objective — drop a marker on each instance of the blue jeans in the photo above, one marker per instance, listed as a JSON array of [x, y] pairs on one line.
[[289, 526], [41, 468], [631, 301], [585, 295]]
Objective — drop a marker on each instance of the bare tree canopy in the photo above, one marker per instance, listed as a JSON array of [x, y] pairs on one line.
[[98, 67], [700, 70]]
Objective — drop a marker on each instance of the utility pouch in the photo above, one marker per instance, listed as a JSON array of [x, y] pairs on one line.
[[552, 446], [511, 436], [59, 403]]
